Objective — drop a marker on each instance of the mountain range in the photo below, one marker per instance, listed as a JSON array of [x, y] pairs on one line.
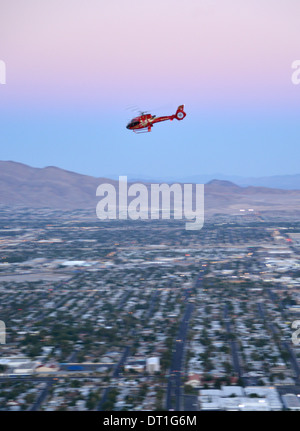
[[51, 187]]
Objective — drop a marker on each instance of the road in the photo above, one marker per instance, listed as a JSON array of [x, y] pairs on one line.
[[42, 395], [285, 346], [233, 344], [174, 386], [174, 393], [115, 374]]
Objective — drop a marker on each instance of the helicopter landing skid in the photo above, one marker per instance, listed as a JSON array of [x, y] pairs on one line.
[[142, 131]]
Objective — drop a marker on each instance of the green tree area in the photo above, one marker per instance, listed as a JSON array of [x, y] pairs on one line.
[[111, 399]]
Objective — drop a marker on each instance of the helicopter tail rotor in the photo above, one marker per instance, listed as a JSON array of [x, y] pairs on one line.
[[180, 114]]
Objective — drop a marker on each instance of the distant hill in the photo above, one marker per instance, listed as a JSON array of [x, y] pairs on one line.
[[285, 182], [52, 187]]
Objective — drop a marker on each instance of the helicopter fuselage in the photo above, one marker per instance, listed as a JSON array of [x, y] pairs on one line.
[[146, 121]]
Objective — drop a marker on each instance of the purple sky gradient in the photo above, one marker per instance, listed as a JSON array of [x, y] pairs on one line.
[[89, 60]]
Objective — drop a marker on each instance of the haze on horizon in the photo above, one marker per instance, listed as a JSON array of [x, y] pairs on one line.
[[74, 67]]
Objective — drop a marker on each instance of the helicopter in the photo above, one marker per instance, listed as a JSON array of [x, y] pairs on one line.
[[144, 122]]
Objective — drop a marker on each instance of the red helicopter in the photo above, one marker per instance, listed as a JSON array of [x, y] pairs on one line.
[[146, 121]]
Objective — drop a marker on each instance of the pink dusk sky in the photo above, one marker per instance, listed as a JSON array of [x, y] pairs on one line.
[[132, 51], [74, 67]]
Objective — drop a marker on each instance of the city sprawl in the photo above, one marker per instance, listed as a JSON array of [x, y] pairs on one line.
[[145, 315]]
